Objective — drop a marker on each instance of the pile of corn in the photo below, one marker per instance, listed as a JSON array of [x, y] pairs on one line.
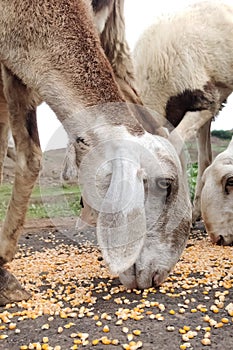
[[76, 303]]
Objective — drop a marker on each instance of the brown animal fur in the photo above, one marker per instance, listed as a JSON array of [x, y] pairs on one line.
[[37, 69]]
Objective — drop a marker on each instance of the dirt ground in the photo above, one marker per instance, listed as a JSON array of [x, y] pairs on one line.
[[77, 304]]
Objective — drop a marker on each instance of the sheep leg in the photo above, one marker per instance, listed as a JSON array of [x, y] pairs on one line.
[[204, 160], [22, 113]]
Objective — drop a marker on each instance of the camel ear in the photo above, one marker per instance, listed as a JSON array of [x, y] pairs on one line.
[[70, 170], [230, 146], [188, 128], [121, 226]]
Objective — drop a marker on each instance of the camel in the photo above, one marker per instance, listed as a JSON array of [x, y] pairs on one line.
[[51, 51]]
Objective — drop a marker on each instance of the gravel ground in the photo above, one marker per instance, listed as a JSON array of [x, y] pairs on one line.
[[77, 304]]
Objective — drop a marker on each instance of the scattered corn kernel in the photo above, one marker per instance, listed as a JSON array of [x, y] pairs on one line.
[[3, 336], [95, 341], [106, 329], [106, 341], [45, 326], [206, 341]]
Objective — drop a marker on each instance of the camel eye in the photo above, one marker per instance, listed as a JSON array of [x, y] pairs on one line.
[[229, 184], [229, 181], [164, 184]]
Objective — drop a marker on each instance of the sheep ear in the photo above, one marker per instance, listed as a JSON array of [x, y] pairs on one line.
[[188, 128]]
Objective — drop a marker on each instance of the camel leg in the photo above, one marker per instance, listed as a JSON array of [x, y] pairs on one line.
[[11, 153], [22, 114], [204, 160], [4, 128], [88, 217]]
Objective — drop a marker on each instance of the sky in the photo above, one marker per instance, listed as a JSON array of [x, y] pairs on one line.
[[138, 16]]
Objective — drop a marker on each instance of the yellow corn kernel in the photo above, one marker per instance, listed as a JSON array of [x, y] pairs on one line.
[[12, 326], [224, 320], [106, 329], [106, 341], [206, 341], [3, 336]]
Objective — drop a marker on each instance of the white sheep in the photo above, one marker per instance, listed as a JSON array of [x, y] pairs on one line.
[[217, 198], [184, 64]]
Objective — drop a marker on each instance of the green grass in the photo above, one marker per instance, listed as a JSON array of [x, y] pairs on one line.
[[58, 201], [192, 178], [46, 202]]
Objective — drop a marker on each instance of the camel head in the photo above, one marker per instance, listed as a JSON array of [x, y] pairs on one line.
[[136, 185]]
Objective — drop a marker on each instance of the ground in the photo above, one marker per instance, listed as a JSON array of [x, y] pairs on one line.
[[75, 303]]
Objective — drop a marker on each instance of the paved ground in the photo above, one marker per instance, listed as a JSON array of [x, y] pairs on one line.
[[76, 304]]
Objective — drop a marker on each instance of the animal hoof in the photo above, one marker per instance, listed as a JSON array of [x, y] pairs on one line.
[[10, 289]]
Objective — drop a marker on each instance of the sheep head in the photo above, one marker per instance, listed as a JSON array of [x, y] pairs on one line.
[[217, 198]]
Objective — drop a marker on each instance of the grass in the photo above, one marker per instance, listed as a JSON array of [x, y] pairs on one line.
[[46, 202], [59, 201], [192, 178]]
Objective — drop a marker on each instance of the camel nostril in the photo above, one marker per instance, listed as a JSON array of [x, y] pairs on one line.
[[156, 279], [220, 240]]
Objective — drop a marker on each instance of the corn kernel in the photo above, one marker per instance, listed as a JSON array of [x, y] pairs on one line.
[[3, 336], [106, 341], [206, 341], [45, 326], [60, 330], [12, 326], [125, 329], [106, 329]]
